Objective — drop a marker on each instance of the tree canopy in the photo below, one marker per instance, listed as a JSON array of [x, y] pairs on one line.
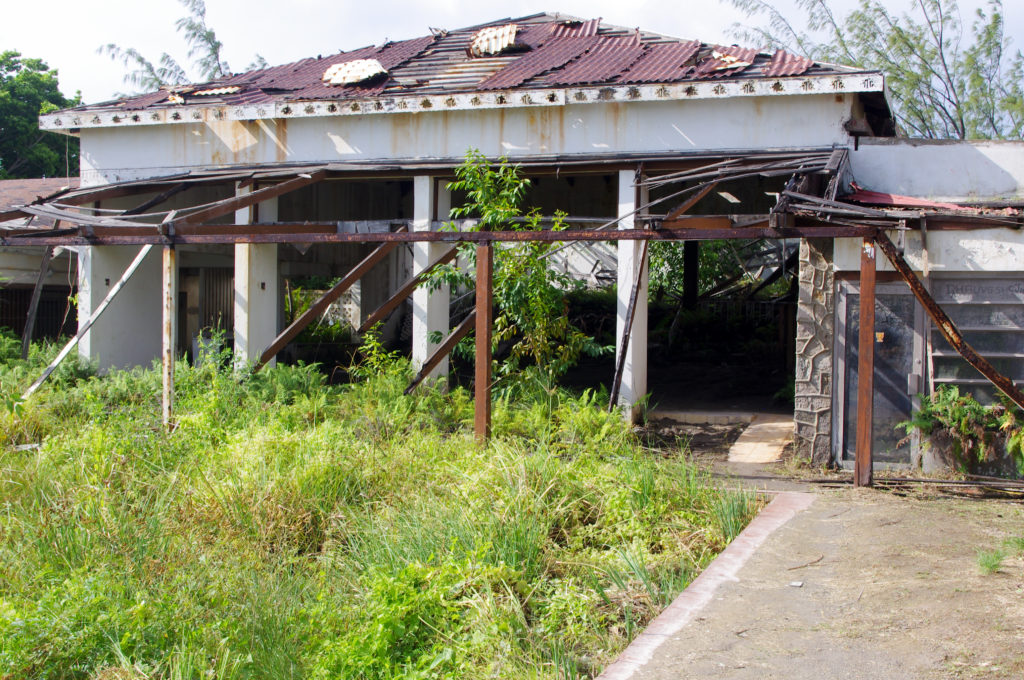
[[204, 49], [28, 87], [946, 80]]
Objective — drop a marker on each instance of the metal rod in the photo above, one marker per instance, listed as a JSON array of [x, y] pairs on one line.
[[33, 304], [484, 318], [443, 350], [810, 229], [230, 205], [865, 365], [170, 330], [627, 331], [691, 201], [90, 321], [405, 291], [322, 303], [946, 326]]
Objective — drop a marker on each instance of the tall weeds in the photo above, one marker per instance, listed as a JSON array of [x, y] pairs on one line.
[[290, 529]]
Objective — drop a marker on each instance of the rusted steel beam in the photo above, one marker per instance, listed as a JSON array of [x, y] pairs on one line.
[[230, 205], [865, 366], [484, 321], [84, 328], [323, 302], [156, 200], [443, 350], [405, 291], [169, 274], [33, 304], [945, 325], [802, 229], [627, 330], [702, 222], [690, 202]]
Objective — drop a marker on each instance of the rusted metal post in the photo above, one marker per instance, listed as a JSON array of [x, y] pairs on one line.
[[322, 303], [170, 329], [484, 312], [443, 350], [33, 305], [405, 290], [865, 365], [946, 326]]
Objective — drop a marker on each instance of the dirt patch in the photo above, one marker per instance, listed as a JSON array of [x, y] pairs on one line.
[[704, 443]]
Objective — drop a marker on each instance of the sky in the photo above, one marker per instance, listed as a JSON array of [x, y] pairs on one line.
[[66, 33]]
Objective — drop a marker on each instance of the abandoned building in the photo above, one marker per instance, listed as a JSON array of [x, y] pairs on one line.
[[337, 166]]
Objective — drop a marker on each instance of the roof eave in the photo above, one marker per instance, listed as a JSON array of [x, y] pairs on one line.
[[859, 82]]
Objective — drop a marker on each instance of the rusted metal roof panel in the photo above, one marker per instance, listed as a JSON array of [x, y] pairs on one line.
[[548, 50], [725, 61], [606, 59], [575, 29], [663, 63], [785, 64], [553, 54]]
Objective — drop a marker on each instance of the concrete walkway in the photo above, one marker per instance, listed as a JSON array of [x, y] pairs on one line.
[[848, 584], [764, 439]]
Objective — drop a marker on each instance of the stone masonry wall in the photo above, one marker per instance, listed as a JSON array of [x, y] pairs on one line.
[[815, 316]]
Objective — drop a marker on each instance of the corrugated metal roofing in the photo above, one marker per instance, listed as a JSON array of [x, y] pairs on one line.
[[663, 63], [605, 60], [551, 55], [725, 61], [551, 50], [575, 29], [493, 40], [785, 64]]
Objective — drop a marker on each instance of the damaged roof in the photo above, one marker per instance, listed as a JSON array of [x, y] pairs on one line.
[[484, 66]]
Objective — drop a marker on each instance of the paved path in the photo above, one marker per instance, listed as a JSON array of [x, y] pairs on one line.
[[858, 584], [764, 439]]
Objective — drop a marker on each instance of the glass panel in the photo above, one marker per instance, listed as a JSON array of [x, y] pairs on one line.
[[894, 355]]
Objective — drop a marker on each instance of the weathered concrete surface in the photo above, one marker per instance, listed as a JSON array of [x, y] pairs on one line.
[[764, 440], [890, 589]]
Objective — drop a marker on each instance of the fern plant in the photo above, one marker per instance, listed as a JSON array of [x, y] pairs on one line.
[[973, 428]]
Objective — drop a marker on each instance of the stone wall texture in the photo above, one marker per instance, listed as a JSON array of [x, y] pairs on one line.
[[815, 317]]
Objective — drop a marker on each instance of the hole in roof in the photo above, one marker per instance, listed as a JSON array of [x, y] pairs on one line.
[[729, 197]]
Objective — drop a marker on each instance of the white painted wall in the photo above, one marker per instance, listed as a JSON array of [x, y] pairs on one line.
[[128, 332], [982, 250], [20, 267], [947, 170], [118, 154]]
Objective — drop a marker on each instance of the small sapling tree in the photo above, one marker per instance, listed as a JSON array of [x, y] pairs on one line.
[[531, 323]]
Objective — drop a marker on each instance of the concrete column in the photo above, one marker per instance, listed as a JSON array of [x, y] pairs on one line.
[[256, 287], [129, 332], [634, 375], [429, 308]]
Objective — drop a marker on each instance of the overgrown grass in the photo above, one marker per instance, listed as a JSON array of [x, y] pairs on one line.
[[990, 561], [288, 529]]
